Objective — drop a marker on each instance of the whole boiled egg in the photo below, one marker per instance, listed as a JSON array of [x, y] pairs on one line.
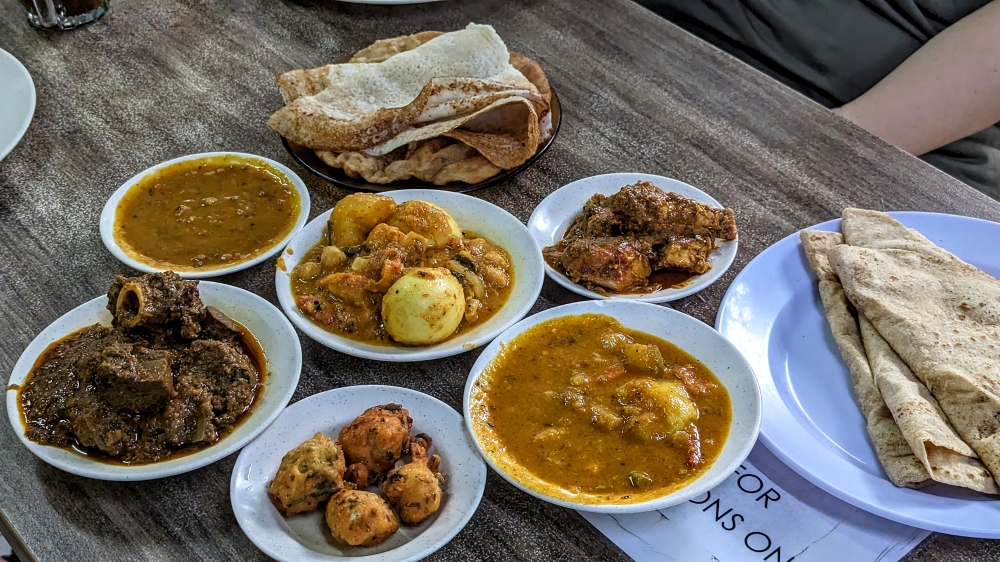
[[424, 306]]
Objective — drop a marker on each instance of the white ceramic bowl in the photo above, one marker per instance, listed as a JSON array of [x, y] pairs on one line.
[[701, 341], [306, 537], [276, 337], [108, 220], [476, 215], [18, 94], [554, 215]]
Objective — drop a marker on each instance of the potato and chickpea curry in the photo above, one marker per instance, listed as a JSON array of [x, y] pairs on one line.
[[583, 409], [404, 274]]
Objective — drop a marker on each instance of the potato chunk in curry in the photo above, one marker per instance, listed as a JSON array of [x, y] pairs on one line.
[[356, 215], [656, 409]]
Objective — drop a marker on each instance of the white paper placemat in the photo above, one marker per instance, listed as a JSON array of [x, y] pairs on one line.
[[751, 516]]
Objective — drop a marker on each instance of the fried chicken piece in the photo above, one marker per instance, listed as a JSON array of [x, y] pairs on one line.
[[360, 518], [618, 264], [374, 441], [415, 489], [596, 220], [687, 253], [644, 209], [620, 239], [308, 475]]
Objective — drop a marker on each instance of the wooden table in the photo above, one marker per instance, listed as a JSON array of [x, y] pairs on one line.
[[156, 79]]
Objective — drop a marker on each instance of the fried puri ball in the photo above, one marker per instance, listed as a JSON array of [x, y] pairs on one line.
[[308, 475], [374, 441], [360, 518], [415, 489]]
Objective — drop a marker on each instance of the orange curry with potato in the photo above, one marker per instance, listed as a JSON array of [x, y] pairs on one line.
[[585, 410]]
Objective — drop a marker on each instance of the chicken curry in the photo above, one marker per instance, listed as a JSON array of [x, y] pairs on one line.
[[206, 214], [583, 409], [640, 240]]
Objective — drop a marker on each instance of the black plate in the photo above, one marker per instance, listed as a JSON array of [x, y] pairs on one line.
[[307, 157]]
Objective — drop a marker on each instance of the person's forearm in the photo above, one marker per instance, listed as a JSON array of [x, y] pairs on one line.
[[947, 90]]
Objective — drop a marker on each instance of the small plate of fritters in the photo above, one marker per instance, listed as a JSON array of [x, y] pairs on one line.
[[453, 111], [634, 236], [389, 470]]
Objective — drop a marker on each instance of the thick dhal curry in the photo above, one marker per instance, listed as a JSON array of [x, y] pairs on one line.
[[206, 213], [584, 410]]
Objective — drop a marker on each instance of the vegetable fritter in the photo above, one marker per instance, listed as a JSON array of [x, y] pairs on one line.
[[309, 474], [415, 489], [374, 441], [360, 518]]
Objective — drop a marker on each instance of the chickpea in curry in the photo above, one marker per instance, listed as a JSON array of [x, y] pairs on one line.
[[399, 274], [206, 213], [583, 409]]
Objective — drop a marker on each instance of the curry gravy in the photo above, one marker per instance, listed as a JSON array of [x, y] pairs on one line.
[[206, 213], [527, 423]]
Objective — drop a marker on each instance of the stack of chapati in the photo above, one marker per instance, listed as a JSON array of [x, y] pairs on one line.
[[919, 330], [439, 107]]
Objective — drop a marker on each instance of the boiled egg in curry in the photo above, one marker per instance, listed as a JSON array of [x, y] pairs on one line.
[[424, 306]]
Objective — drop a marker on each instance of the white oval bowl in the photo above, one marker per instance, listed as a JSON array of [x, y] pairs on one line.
[[274, 333], [476, 215], [306, 537], [108, 220], [554, 215], [696, 338]]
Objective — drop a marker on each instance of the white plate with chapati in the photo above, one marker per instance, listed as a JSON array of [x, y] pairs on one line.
[[774, 314]]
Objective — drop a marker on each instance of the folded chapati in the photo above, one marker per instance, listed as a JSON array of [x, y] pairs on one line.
[[892, 450], [382, 49], [437, 161], [942, 317], [946, 457], [875, 230], [925, 427]]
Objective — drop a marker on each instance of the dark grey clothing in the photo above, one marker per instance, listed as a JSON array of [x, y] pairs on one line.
[[835, 50]]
